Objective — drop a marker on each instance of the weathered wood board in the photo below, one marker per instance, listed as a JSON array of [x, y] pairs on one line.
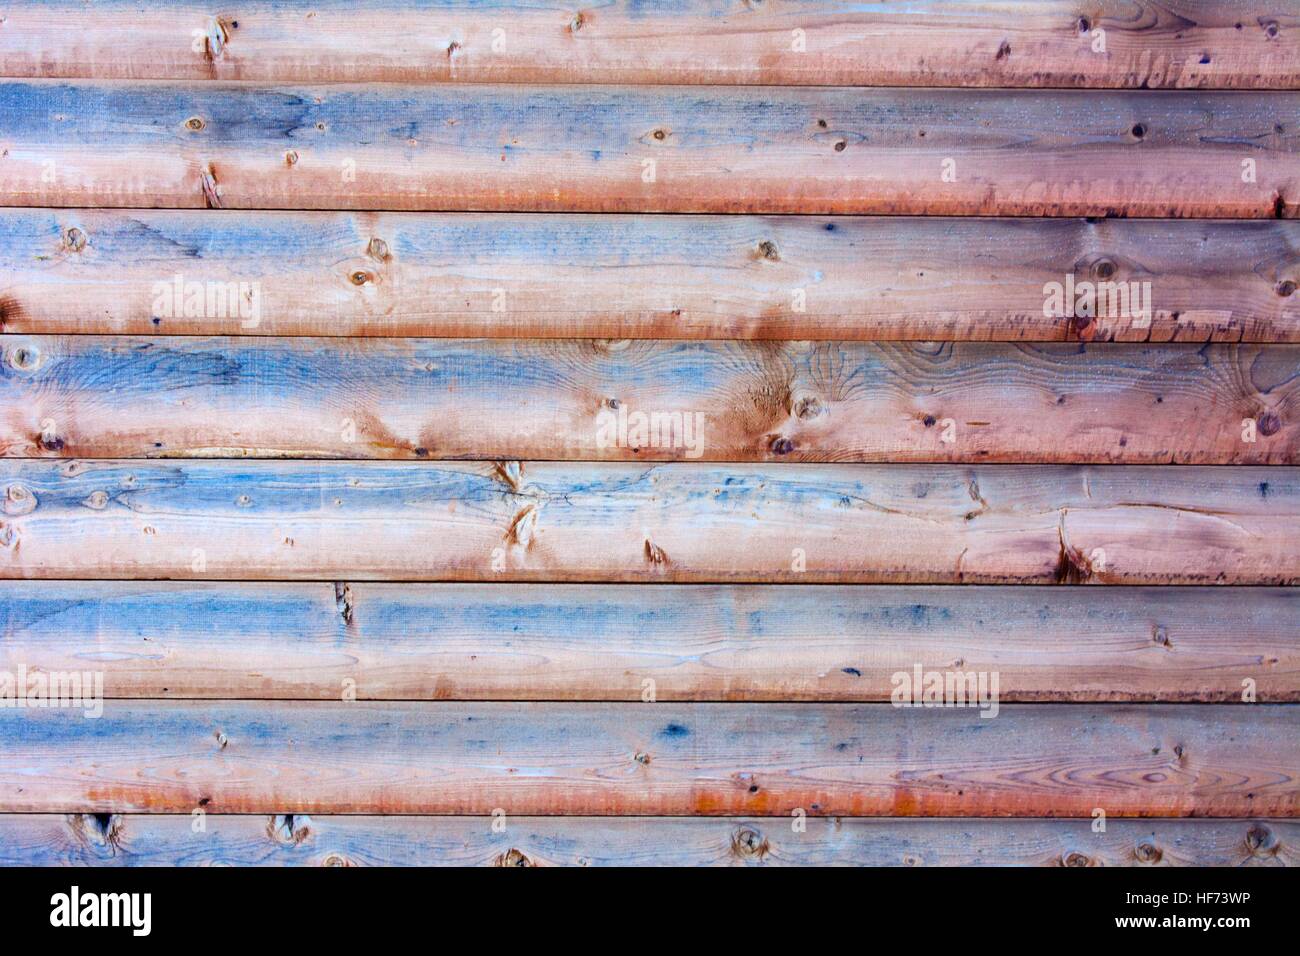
[[119, 840], [644, 522], [669, 642], [117, 397], [640, 149], [620, 276], [653, 759], [1141, 43], [602, 419]]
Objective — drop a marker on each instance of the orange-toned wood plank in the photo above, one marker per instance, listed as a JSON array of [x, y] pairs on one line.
[[640, 149], [1034, 524], [670, 642], [619, 276], [111, 397], [670, 759], [1139, 43], [119, 840]]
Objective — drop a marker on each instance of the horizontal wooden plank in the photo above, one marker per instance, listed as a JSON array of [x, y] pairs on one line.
[[1141, 43], [644, 522], [654, 759], [120, 840], [637, 149], [670, 642], [114, 397], [619, 276]]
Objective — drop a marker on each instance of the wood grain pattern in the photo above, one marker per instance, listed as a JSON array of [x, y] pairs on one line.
[[121, 840], [677, 642], [619, 276], [111, 397], [1148, 44], [653, 759], [644, 522], [638, 149]]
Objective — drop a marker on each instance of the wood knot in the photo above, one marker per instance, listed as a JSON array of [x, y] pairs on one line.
[[642, 758], [343, 601], [807, 407], [1147, 852], [1269, 423], [782, 446], [654, 554], [767, 249], [749, 844], [1286, 288], [291, 157], [378, 249], [1075, 858], [74, 239], [1260, 839], [214, 42], [523, 527], [19, 501], [211, 191], [99, 829], [25, 358], [512, 857], [1104, 268], [1072, 566], [511, 472], [289, 829], [195, 123]]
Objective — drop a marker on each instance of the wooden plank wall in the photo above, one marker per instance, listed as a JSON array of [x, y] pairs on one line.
[[533, 435]]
